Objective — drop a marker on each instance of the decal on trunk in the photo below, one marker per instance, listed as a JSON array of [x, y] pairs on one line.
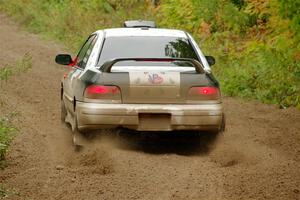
[[154, 85], [155, 78]]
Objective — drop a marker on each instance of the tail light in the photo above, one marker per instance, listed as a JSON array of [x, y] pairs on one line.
[[102, 92], [204, 93]]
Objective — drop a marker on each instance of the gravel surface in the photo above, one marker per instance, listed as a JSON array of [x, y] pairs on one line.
[[258, 157]]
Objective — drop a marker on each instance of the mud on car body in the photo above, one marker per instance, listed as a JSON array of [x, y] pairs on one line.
[[142, 78]]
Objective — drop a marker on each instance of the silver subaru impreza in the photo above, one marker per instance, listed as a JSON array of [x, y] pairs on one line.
[[143, 78]]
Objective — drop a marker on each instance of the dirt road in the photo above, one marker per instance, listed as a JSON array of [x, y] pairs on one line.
[[257, 158]]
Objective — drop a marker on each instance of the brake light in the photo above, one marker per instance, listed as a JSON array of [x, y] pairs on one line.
[[102, 92], [204, 93]]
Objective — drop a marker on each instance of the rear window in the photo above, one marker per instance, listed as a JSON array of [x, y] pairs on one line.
[[145, 47]]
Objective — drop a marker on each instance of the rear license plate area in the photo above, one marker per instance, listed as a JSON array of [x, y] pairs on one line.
[[154, 122]]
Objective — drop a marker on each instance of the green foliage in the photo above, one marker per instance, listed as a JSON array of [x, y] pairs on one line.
[[291, 9], [257, 54], [190, 14], [239, 3], [71, 21], [263, 73], [234, 20]]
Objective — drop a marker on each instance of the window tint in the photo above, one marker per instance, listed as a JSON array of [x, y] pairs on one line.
[[85, 51], [146, 47]]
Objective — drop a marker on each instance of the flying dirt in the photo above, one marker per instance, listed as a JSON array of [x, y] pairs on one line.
[[258, 156]]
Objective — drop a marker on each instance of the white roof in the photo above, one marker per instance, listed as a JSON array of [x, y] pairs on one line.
[[119, 32]]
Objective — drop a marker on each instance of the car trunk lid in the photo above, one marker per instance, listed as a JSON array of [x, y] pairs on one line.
[[154, 80], [153, 87]]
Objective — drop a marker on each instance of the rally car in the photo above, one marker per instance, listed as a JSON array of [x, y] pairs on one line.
[[143, 78]]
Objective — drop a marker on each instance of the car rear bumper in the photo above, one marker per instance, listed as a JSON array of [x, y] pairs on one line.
[[149, 117]]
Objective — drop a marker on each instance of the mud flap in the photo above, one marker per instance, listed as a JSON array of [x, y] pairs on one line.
[[78, 138], [63, 114], [223, 124]]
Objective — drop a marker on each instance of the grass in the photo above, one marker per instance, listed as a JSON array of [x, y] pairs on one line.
[[7, 129], [21, 66], [256, 47], [71, 21], [7, 192], [3, 192], [7, 133]]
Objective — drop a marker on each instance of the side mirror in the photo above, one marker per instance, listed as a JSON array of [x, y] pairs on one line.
[[63, 59], [211, 60]]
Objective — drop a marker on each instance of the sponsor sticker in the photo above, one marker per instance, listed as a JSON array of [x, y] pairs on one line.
[[155, 78], [154, 84]]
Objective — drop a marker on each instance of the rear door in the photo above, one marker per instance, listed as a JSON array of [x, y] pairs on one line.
[[81, 60]]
